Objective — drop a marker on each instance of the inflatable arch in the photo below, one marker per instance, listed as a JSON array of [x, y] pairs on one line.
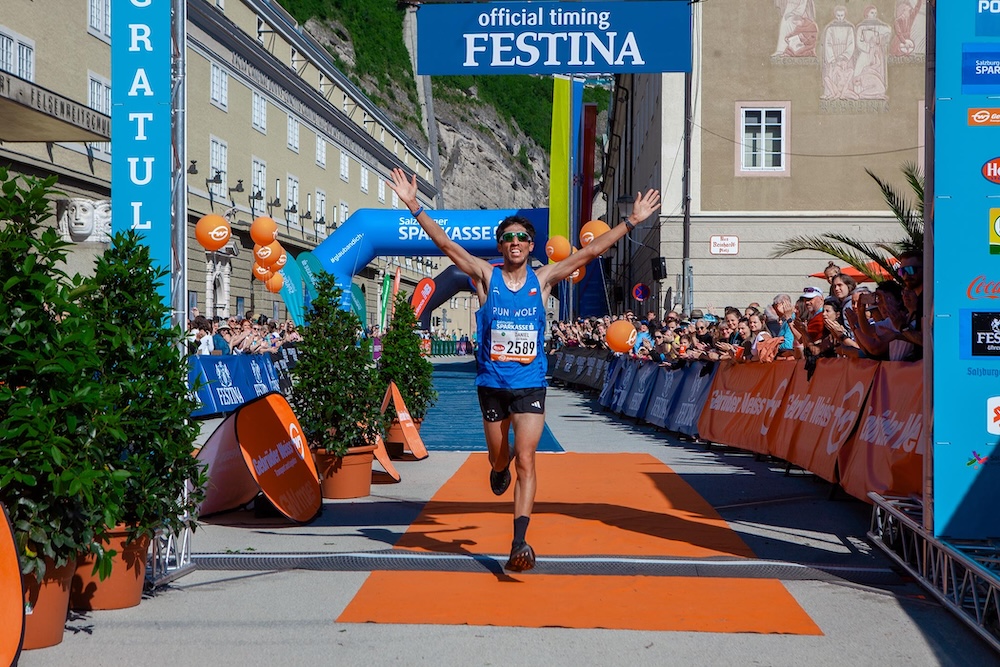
[[369, 233]]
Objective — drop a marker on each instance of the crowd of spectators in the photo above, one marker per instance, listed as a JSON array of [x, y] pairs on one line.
[[239, 335], [844, 319]]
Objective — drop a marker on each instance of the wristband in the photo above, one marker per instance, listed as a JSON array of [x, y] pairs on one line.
[[417, 212], [628, 223]]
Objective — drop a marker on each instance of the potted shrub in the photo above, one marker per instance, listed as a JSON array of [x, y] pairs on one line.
[[52, 411], [334, 395], [143, 379], [401, 362]]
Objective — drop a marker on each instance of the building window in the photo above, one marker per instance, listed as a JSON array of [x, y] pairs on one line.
[[261, 30], [99, 19], [292, 191], [395, 199], [275, 315], [293, 134], [321, 151], [240, 306], [218, 156], [345, 167], [258, 191], [344, 211], [381, 133], [220, 87], [17, 55], [295, 60], [319, 215], [259, 112], [364, 179], [381, 191], [763, 135], [100, 100]]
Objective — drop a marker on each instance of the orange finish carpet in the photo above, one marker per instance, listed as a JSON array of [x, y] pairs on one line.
[[586, 505]]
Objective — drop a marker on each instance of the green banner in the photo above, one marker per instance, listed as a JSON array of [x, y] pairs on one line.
[[358, 304]]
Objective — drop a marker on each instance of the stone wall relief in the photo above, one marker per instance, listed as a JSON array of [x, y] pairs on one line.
[[218, 280], [852, 58], [83, 220]]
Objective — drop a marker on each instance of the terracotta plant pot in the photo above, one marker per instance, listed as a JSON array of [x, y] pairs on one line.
[[123, 587], [48, 602], [394, 443], [349, 476]]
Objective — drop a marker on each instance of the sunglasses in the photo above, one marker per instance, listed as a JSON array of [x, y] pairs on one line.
[[509, 237], [906, 270]]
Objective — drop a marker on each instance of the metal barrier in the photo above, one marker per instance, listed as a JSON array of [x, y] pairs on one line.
[[962, 576]]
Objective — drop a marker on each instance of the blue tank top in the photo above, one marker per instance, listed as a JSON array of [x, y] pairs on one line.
[[511, 329]]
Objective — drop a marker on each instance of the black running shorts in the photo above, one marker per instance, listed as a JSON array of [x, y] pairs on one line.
[[498, 404]]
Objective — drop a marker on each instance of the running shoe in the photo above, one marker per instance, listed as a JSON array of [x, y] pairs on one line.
[[521, 558]]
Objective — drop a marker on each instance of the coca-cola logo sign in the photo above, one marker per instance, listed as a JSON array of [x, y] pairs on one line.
[[981, 288]]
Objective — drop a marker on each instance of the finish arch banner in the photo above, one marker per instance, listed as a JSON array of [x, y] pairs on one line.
[[742, 403], [12, 600], [554, 38], [886, 454], [275, 451], [369, 233]]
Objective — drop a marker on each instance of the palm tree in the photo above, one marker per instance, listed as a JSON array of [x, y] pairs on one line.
[[866, 256]]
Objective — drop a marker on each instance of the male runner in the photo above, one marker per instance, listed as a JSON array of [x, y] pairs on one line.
[[511, 324]]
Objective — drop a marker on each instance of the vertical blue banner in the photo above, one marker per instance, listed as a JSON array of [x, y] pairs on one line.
[[966, 426], [140, 125]]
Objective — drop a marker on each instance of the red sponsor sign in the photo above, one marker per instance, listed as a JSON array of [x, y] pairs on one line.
[[981, 288], [984, 117], [991, 170]]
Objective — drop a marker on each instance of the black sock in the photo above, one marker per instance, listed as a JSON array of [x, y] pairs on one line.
[[520, 530]]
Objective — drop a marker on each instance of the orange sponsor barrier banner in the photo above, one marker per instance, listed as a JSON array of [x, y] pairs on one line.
[[230, 484], [814, 424], [422, 296], [382, 456], [274, 449], [12, 600], [411, 436], [887, 451], [742, 403]]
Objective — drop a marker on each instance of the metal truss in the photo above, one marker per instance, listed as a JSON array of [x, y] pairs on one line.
[[963, 576], [170, 552]]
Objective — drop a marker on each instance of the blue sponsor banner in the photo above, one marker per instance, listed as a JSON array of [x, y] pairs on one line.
[[642, 385], [608, 390], [140, 125], [229, 381], [691, 398], [980, 69], [623, 384], [554, 37], [661, 399], [966, 397], [987, 18]]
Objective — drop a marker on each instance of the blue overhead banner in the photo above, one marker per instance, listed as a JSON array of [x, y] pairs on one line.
[[140, 125], [554, 37], [967, 270]]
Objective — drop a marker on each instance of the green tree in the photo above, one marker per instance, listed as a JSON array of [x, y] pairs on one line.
[[908, 209], [334, 386], [53, 420], [402, 363], [144, 380]]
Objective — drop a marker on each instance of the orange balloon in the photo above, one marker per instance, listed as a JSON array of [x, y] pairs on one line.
[[279, 263], [578, 275], [267, 255], [621, 336], [263, 230], [557, 248], [274, 283], [261, 272], [591, 231], [212, 232]]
